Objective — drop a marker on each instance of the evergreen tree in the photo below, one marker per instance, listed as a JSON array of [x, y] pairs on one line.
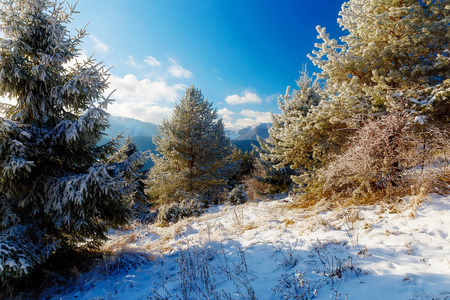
[[196, 154], [394, 60], [395, 53], [287, 144], [395, 57], [57, 187], [298, 141], [245, 163]]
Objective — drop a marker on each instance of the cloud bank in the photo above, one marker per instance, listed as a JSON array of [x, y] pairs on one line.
[[253, 118], [99, 45], [145, 100]]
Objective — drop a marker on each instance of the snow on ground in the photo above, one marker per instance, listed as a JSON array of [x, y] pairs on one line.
[[264, 250]]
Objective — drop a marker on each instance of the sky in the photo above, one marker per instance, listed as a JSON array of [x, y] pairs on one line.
[[242, 54]]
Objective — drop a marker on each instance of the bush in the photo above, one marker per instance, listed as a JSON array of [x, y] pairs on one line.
[[375, 161], [254, 187], [265, 181], [237, 195], [173, 212]]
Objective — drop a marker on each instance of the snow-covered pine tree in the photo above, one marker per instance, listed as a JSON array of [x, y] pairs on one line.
[[285, 136], [196, 154], [395, 52], [298, 143], [393, 59], [57, 187]]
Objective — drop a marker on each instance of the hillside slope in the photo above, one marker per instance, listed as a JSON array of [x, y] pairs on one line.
[[264, 251], [252, 132]]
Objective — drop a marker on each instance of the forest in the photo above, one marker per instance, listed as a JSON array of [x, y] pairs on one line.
[[361, 145]]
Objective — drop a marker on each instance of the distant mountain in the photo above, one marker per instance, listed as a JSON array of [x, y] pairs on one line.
[[245, 138], [251, 132], [134, 127], [231, 134], [140, 132]]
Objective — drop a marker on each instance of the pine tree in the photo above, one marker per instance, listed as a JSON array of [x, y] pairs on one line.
[[298, 141], [394, 57], [394, 60], [287, 131], [58, 189], [196, 154], [245, 163], [395, 53]]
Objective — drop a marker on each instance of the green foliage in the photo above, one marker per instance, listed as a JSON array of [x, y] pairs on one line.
[[274, 181], [237, 195], [196, 154], [172, 212], [245, 163], [58, 188], [303, 136], [394, 59], [394, 52]]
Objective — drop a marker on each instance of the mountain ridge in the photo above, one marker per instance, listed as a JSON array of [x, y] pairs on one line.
[[136, 128]]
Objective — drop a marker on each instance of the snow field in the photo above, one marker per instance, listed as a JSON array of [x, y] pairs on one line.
[[264, 250]]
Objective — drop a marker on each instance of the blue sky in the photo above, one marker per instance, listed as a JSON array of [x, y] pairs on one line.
[[241, 54]]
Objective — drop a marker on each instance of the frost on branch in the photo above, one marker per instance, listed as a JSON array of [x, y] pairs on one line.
[[21, 250], [58, 188]]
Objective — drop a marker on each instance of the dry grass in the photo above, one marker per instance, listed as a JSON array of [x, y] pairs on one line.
[[306, 201], [249, 226], [418, 184], [288, 222]]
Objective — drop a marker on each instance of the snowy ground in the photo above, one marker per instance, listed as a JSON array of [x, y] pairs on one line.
[[265, 251]]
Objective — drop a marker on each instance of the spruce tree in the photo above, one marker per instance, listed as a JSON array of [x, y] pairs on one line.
[[196, 154], [287, 145], [58, 189]]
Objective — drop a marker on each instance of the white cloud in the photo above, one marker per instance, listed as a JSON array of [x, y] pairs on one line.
[[230, 126], [131, 61], [235, 121], [263, 117], [241, 123], [178, 71], [226, 114], [146, 100], [253, 118], [99, 45], [248, 97], [272, 98], [152, 61], [130, 89], [147, 113]]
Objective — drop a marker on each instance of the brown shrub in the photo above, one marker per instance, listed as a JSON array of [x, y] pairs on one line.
[[374, 161], [388, 158]]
